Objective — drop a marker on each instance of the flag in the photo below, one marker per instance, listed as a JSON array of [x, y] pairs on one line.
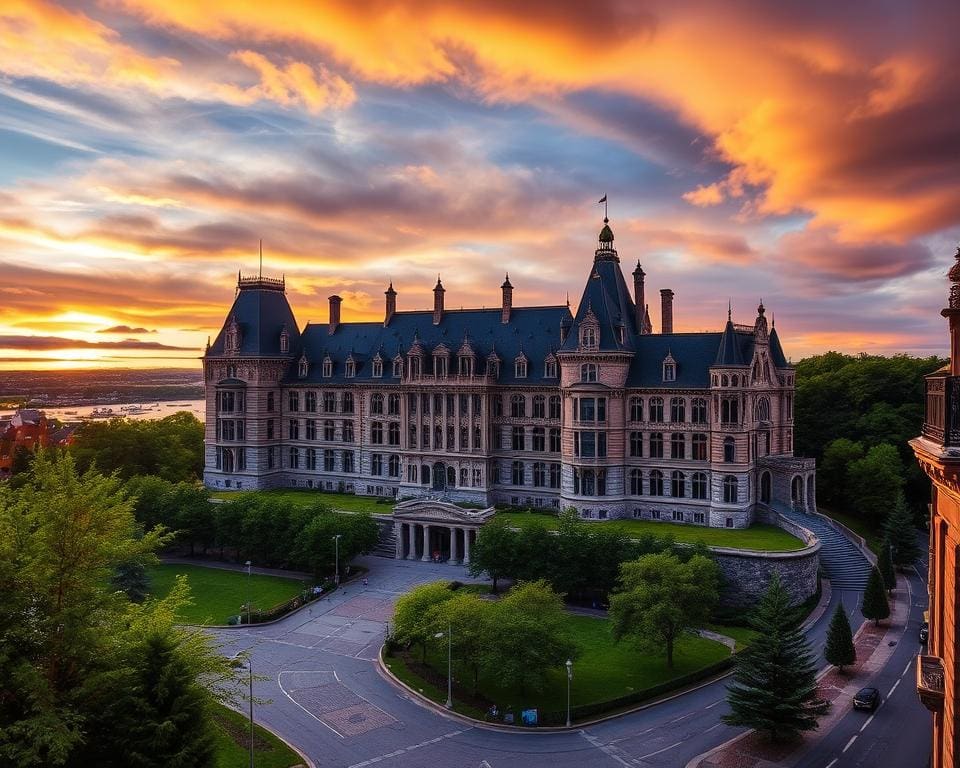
[[602, 199]]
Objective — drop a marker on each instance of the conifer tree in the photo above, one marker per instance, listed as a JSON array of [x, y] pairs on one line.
[[775, 686], [875, 605], [839, 650], [902, 534], [885, 564]]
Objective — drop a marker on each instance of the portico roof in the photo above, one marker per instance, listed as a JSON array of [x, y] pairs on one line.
[[441, 513]]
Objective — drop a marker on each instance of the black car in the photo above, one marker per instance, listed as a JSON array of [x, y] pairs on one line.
[[924, 631], [867, 698]]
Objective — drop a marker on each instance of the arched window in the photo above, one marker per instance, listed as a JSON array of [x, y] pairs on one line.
[[351, 370], [550, 368], [518, 406], [302, 371], [284, 342], [636, 409], [520, 367], [539, 406], [698, 485], [588, 372], [729, 450], [636, 482], [377, 368], [678, 484], [376, 403], [734, 381], [729, 490], [346, 404], [656, 409], [397, 373], [451, 477], [765, 487], [678, 410], [327, 367], [656, 483], [763, 409], [698, 408], [724, 380], [393, 404]]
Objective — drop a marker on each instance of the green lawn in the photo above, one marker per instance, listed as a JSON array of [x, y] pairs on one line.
[[742, 635], [218, 594], [304, 498], [232, 736], [604, 670], [859, 526], [759, 536]]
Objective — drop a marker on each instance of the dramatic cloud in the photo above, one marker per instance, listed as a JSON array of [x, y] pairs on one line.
[[125, 329], [56, 342]]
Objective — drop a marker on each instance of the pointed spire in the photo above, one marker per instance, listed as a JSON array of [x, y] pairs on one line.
[[506, 281], [729, 310]]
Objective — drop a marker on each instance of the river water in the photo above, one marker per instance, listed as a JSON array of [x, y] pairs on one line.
[[153, 410]]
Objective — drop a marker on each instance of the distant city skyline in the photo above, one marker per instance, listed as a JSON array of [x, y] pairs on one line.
[[800, 153]]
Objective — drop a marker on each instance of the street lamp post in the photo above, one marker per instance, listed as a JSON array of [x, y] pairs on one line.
[[449, 634], [336, 546], [250, 677], [569, 678]]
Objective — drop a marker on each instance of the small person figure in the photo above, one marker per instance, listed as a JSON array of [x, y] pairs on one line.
[[365, 582]]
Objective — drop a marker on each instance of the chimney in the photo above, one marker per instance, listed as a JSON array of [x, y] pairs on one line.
[[666, 310], [952, 313], [334, 321], [638, 297], [438, 291], [507, 300], [391, 305]]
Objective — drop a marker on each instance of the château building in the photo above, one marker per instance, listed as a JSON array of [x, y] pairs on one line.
[[529, 406]]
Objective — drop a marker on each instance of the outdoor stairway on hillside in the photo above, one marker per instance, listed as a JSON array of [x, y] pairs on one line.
[[387, 542], [843, 563]]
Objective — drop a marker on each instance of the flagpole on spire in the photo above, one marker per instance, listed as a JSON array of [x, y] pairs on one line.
[[261, 257], [604, 201]]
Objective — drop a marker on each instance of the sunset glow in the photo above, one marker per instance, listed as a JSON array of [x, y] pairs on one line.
[[787, 151]]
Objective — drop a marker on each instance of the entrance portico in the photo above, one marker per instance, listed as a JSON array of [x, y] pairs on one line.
[[436, 531]]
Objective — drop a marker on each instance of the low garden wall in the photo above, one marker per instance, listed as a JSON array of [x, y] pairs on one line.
[[747, 573]]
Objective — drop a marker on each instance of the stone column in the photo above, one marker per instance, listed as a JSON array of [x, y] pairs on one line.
[[426, 544], [466, 546], [398, 541], [411, 542], [453, 545]]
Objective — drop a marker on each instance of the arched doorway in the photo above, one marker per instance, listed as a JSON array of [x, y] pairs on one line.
[[439, 476], [765, 487], [796, 491]]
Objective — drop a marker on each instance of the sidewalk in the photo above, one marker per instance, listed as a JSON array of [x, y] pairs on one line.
[[874, 649], [207, 562]]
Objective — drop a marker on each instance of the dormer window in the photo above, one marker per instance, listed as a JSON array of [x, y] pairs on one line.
[[466, 365], [550, 368], [493, 366], [351, 368], [588, 372], [284, 342], [520, 367], [415, 366], [302, 368], [669, 368], [327, 367], [377, 367], [588, 337], [397, 367], [231, 339]]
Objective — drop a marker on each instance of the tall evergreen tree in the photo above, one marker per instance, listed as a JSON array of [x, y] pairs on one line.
[[901, 534], [875, 605], [839, 650], [885, 564], [775, 686]]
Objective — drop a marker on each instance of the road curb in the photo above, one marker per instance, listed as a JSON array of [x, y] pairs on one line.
[[306, 760]]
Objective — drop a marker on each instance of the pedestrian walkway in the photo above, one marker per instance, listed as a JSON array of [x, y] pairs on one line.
[[843, 562]]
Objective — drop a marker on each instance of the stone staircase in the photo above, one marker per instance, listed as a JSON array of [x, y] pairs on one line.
[[843, 562], [387, 542]]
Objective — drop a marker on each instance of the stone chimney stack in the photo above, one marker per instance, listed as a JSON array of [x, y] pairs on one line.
[[438, 291], [334, 321], [666, 310], [391, 309], [638, 297], [952, 313], [507, 304]]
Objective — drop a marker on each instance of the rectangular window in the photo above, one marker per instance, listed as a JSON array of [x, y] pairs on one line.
[[677, 446], [328, 461], [518, 439], [328, 431], [294, 429], [636, 444], [376, 464], [699, 517], [539, 439], [656, 445], [348, 431], [270, 428], [312, 429], [294, 401], [348, 461], [554, 440]]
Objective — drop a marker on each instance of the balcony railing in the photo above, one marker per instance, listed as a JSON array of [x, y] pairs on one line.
[[930, 682], [941, 422]]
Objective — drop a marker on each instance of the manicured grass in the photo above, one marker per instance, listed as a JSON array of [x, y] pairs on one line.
[[305, 498], [218, 594], [604, 670], [859, 526], [232, 736], [757, 537], [742, 635]]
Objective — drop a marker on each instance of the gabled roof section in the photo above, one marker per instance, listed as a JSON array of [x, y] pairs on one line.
[[533, 330], [261, 311]]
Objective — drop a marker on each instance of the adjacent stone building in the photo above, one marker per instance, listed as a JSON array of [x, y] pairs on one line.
[[529, 406], [938, 451]]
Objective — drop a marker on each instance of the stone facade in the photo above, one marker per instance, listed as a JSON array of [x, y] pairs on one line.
[[528, 406]]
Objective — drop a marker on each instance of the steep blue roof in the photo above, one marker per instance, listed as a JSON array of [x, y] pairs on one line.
[[694, 354], [776, 351], [261, 314], [730, 351], [534, 331]]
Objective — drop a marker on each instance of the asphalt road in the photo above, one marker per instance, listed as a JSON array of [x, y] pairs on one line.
[[325, 695]]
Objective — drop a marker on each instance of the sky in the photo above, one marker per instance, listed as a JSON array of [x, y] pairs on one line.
[[802, 153]]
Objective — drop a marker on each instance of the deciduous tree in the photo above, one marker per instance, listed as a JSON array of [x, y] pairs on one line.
[[495, 551]]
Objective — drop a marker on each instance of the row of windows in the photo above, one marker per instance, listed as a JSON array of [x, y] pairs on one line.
[[438, 434], [678, 409], [230, 401], [467, 404], [593, 482], [589, 372], [678, 446], [422, 474], [311, 431], [310, 456], [230, 429], [540, 474], [327, 402], [541, 436]]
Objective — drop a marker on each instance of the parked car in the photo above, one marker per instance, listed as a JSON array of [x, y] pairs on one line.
[[867, 698]]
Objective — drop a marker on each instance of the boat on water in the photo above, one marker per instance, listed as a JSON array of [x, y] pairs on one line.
[[69, 413], [101, 413]]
